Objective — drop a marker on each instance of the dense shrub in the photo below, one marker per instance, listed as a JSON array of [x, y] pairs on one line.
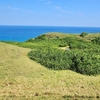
[[84, 62], [75, 43], [72, 42], [96, 40]]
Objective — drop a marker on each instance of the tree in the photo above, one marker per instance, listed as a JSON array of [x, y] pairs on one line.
[[83, 34]]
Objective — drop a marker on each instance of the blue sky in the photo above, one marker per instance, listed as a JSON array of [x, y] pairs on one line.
[[50, 12]]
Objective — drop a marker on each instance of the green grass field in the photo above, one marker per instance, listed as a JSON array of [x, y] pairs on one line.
[[24, 79]]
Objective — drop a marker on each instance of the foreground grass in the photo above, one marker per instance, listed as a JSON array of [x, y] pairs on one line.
[[23, 79]]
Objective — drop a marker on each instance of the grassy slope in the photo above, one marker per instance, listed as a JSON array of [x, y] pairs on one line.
[[23, 79], [89, 37]]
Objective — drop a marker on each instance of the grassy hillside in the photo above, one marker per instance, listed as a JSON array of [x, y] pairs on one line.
[[24, 79]]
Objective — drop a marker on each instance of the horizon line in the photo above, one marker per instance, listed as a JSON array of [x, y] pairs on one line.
[[50, 26]]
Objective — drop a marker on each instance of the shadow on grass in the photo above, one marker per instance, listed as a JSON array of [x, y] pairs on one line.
[[76, 97], [50, 97]]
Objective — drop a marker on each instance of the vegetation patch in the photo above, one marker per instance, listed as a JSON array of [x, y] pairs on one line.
[[81, 56], [66, 52], [83, 34], [83, 61], [24, 79], [96, 40]]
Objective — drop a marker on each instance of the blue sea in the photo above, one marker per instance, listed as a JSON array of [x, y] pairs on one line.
[[23, 33]]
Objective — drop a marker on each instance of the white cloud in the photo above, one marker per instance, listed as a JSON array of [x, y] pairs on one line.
[[19, 9], [62, 10], [13, 8], [8, 6], [77, 13], [46, 3]]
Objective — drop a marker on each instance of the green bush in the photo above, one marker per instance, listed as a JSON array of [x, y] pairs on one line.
[[96, 40], [83, 34], [86, 62], [41, 37]]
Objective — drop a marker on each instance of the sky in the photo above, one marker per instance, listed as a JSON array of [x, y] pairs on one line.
[[50, 12]]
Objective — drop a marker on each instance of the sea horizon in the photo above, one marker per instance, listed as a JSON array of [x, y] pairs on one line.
[[21, 33], [50, 26]]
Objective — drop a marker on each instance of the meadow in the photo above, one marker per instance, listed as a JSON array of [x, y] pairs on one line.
[[22, 78]]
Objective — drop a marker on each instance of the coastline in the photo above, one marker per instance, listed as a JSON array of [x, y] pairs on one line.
[[23, 33]]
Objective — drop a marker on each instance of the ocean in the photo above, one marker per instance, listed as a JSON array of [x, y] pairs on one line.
[[23, 33]]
